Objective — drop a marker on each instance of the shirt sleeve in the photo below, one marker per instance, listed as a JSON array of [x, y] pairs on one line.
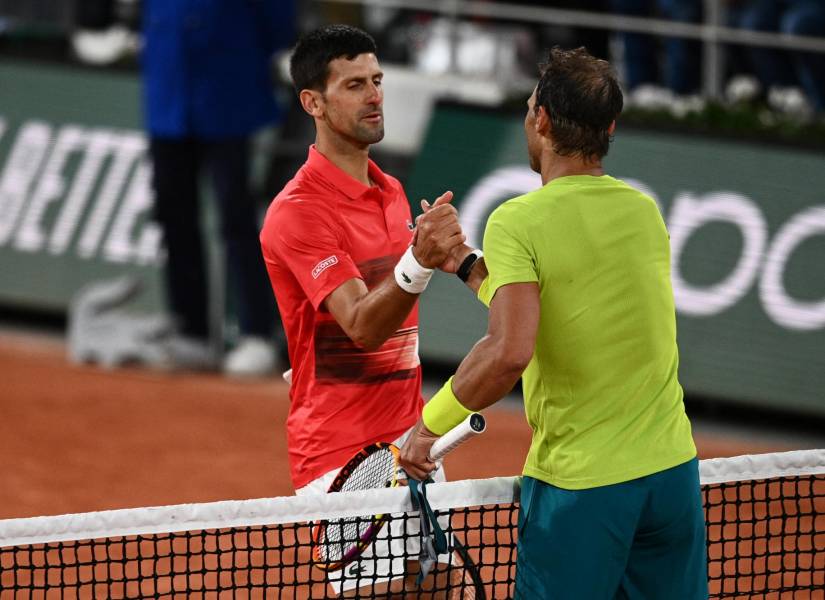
[[507, 255], [308, 244]]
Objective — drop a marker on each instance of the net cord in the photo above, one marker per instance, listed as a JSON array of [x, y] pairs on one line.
[[294, 509], [250, 513], [762, 466]]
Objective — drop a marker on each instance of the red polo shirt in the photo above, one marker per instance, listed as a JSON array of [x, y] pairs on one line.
[[323, 229]]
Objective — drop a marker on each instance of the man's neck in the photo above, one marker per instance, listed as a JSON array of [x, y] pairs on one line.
[[351, 159], [554, 166]]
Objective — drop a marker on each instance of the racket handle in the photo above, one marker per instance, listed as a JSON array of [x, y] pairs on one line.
[[469, 427]]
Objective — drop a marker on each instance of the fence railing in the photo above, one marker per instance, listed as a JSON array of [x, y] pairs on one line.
[[712, 33], [40, 12]]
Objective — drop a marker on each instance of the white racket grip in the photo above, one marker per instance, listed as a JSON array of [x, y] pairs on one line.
[[288, 376], [469, 427]]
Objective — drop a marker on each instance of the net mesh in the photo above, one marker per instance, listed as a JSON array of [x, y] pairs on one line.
[[253, 562], [766, 538], [765, 526]]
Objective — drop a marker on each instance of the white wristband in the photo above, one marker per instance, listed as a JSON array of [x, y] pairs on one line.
[[410, 276]]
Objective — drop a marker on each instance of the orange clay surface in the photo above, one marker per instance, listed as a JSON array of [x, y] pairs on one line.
[[79, 438]]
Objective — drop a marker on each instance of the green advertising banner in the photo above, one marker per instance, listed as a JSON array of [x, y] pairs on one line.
[[74, 185], [747, 226]]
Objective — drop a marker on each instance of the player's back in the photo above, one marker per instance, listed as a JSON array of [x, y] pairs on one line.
[[601, 391]]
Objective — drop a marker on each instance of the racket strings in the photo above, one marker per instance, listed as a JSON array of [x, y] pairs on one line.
[[342, 537], [376, 471]]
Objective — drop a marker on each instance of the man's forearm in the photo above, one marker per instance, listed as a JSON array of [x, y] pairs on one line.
[[370, 317], [496, 362], [379, 313], [478, 270], [477, 275], [485, 375]]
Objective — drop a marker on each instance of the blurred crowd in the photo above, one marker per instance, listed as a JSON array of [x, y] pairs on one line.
[[211, 82], [655, 69], [787, 81]]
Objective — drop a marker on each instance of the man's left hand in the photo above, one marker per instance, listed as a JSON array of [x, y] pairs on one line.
[[414, 457]]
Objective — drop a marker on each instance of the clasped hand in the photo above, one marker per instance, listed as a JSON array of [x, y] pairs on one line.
[[438, 242]]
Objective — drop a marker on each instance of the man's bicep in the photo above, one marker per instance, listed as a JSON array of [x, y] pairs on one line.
[[515, 310]]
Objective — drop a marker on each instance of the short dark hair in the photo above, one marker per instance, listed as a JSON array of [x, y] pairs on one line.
[[309, 64], [582, 97]]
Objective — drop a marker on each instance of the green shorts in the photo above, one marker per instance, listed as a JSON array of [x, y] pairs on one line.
[[643, 538]]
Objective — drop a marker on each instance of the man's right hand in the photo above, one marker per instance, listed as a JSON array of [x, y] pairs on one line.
[[438, 233]]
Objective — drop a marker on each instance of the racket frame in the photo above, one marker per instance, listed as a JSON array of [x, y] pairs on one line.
[[368, 537], [473, 425]]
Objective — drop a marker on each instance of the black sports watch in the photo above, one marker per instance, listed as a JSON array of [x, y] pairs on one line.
[[466, 266]]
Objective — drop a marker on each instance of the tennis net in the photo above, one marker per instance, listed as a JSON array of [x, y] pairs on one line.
[[765, 519]]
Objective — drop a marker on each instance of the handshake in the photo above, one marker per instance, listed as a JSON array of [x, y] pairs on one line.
[[438, 242]]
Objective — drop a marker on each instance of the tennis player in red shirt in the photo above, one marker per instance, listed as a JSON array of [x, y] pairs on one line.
[[347, 265]]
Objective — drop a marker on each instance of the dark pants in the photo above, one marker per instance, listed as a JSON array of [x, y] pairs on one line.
[[682, 57], [641, 539], [178, 164], [787, 68]]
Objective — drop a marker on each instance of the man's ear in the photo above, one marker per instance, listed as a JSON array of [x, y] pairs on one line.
[[543, 123], [612, 128], [312, 102]]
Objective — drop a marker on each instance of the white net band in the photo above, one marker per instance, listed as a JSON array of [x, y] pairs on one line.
[[295, 509]]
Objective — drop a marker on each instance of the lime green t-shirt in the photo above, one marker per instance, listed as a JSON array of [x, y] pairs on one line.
[[601, 392]]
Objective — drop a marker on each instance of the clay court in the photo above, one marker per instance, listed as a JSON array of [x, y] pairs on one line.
[[79, 438]]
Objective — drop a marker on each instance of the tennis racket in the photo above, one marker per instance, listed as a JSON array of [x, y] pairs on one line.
[[337, 542]]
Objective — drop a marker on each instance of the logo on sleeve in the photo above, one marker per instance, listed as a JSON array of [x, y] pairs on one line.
[[324, 265]]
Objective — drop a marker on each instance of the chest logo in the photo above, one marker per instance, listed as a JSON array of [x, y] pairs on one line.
[[324, 265]]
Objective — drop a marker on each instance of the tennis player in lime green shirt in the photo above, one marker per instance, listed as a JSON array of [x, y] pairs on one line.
[[576, 275]]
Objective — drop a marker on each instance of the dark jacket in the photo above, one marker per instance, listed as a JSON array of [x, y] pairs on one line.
[[207, 65]]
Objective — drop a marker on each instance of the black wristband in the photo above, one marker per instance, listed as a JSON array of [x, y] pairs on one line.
[[463, 271]]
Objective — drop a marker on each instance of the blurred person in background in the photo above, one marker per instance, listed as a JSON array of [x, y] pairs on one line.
[[652, 77], [594, 39], [495, 47], [208, 86], [790, 81]]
